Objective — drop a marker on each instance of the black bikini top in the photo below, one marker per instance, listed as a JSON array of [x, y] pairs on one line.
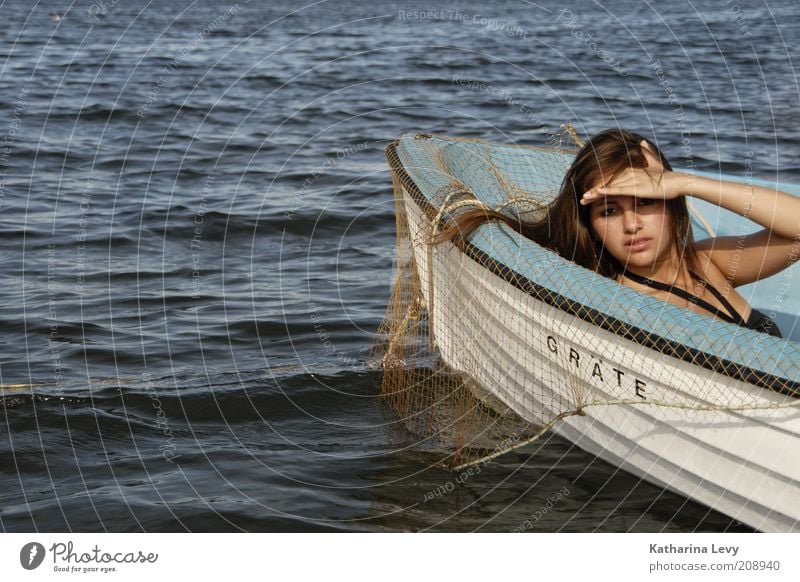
[[757, 320], [760, 322], [732, 316]]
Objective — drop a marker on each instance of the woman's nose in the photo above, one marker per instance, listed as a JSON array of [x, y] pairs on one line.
[[630, 221]]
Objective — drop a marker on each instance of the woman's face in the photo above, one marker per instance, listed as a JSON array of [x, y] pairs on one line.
[[638, 232], [635, 231]]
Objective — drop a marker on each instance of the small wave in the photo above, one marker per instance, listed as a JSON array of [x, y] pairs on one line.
[[267, 397], [99, 112]]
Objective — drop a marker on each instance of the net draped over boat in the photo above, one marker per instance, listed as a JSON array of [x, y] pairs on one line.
[[486, 348]]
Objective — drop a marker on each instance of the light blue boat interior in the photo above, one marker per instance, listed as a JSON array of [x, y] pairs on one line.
[[433, 163]]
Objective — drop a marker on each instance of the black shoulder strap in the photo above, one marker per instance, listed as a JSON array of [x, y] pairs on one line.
[[732, 316]]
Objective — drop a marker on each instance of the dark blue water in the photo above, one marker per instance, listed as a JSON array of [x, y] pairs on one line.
[[198, 236]]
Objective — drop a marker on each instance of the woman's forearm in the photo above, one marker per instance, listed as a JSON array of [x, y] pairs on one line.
[[772, 209]]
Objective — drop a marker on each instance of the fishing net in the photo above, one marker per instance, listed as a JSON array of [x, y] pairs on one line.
[[487, 347]]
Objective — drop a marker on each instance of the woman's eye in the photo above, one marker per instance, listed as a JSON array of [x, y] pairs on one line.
[[607, 211], [646, 201]]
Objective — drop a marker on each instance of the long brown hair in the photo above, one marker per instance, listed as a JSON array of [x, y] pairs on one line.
[[566, 227]]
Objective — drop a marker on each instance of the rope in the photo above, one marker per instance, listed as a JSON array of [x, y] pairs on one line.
[[580, 412], [535, 437], [700, 218], [573, 134]]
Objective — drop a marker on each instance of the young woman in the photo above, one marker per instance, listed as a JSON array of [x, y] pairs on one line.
[[621, 211]]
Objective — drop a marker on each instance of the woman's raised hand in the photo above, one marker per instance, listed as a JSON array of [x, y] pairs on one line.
[[637, 182]]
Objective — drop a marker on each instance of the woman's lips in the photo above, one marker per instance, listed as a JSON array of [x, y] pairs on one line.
[[639, 244]]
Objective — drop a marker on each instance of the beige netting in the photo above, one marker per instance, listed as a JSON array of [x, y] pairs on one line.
[[504, 362]]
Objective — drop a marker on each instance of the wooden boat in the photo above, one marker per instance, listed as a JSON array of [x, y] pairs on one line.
[[693, 404]]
